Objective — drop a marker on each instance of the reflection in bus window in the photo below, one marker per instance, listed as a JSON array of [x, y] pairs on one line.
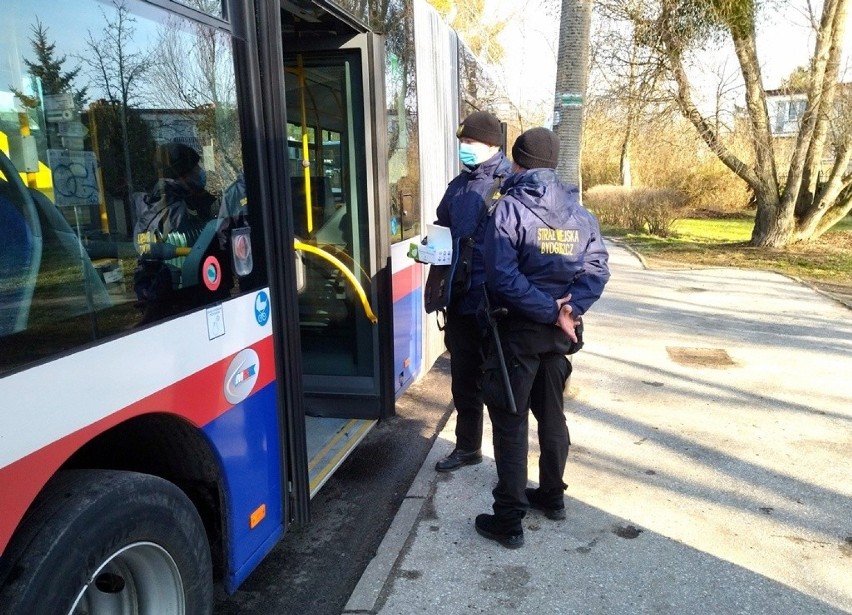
[[174, 216], [403, 148], [108, 180]]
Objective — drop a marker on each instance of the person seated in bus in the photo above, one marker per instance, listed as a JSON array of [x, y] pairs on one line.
[[171, 216], [234, 205]]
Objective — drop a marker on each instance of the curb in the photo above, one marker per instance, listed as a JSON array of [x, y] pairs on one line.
[[368, 591]]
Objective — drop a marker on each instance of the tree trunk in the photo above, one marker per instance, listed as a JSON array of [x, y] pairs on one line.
[[824, 70], [820, 68], [572, 69], [626, 177], [125, 144], [811, 201]]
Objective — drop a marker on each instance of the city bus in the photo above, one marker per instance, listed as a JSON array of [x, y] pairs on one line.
[[205, 295]]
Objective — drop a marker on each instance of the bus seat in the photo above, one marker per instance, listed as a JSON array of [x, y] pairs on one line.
[[334, 230], [62, 252], [17, 256]]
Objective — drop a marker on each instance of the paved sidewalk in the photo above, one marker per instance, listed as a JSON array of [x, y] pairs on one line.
[[711, 471]]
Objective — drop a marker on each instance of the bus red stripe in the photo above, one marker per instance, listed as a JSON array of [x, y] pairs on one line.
[[199, 398], [406, 281]]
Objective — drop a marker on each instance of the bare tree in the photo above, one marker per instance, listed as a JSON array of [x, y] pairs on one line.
[[631, 82], [117, 68], [191, 68], [807, 199], [631, 79]]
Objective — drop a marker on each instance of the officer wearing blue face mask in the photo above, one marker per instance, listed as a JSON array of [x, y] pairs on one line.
[[463, 209]]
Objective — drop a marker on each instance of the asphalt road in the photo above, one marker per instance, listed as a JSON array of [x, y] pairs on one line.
[[315, 567]]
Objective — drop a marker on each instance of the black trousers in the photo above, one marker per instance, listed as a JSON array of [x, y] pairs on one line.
[[538, 370], [463, 338]]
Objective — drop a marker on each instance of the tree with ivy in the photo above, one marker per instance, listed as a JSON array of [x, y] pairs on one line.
[[572, 73]]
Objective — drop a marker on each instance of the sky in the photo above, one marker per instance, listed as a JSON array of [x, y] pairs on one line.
[[530, 42]]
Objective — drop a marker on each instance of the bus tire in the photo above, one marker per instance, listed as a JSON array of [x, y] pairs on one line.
[[103, 541]]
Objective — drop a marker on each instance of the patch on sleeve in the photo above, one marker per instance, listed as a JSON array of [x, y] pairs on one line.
[[558, 241]]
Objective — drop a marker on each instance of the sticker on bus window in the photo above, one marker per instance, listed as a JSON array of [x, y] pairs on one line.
[[212, 273], [215, 322], [261, 308]]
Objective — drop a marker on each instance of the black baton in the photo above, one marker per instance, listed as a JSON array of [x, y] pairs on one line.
[[492, 321]]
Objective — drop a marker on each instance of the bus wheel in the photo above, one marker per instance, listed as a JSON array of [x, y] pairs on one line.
[[100, 541]]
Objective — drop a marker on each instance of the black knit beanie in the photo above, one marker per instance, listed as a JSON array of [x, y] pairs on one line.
[[537, 148], [176, 159], [483, 127]]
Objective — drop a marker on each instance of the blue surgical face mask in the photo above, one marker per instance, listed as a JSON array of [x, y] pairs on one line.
[[467, 155]]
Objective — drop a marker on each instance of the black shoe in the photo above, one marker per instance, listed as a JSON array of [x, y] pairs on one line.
[[508, 533], [553, 506], [457, 459]]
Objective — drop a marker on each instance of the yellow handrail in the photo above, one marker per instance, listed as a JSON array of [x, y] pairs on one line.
[[305, 247], [306, 156]]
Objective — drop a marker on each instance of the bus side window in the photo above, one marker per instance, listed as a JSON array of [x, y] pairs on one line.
[[100, 174]]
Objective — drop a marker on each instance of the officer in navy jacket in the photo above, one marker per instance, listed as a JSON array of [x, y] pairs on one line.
[[462, 209], [546, 262]]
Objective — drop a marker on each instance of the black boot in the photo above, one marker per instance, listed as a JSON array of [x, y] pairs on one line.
[[459, 458], [508, 532], [551, 503]]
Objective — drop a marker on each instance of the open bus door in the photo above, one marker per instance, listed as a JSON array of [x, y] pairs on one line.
[[334, 96]]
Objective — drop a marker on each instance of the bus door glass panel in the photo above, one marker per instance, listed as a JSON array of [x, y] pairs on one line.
[[325, 113]]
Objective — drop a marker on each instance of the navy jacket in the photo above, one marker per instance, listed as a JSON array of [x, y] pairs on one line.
[[540, 245], [460, 209]]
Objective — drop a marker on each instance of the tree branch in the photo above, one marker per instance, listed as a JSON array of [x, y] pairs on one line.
[[708, 135]]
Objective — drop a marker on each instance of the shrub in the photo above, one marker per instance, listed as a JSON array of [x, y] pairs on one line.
[[639, 210], [667, 153]]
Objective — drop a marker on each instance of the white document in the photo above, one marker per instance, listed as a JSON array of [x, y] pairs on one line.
[[439, 246]]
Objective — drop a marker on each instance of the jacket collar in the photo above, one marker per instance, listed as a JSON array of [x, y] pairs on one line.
[[531, 180], [497, 165]]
